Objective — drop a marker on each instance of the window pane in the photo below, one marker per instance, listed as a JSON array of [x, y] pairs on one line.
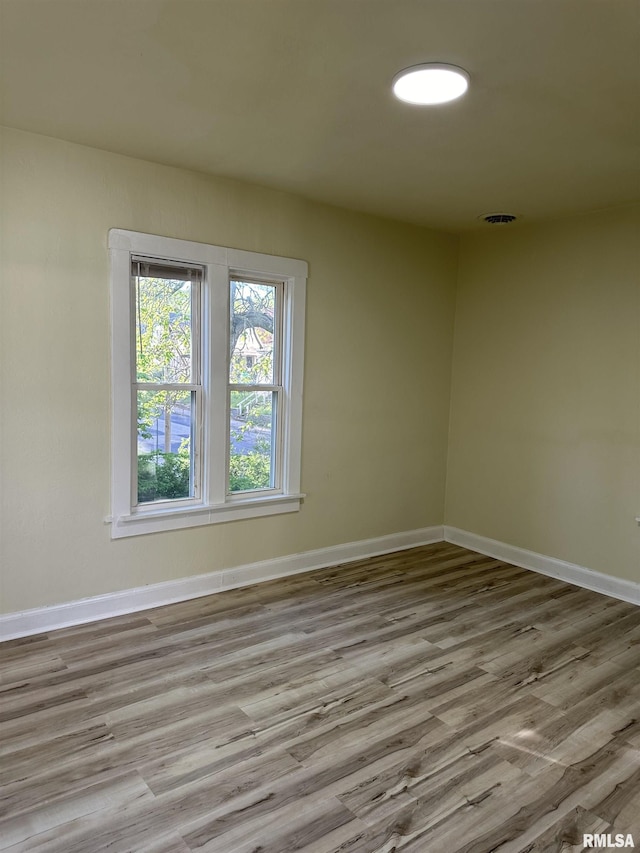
[[163, 330], [252, 328], [166, 422], [251, 440]]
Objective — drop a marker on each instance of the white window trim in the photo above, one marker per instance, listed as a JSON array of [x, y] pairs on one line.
[[215, 506]]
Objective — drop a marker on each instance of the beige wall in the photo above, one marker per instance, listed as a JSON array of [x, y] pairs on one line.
[[544, 439], [377, 378], [544, 446]]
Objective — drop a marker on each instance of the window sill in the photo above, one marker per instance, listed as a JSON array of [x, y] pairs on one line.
[[156, 521]]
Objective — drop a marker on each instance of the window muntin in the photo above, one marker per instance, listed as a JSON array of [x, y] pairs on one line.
[[167, 382]]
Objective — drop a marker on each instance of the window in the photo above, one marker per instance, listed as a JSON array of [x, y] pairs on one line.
[[255, 385], [207, 346], [167, 382]]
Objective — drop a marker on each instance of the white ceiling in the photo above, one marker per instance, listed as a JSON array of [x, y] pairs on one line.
[[295, 94]]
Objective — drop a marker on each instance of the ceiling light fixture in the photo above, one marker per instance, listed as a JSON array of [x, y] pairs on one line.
[[430, 83]]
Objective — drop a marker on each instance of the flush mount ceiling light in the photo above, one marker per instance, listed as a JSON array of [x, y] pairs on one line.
[[430, 83]]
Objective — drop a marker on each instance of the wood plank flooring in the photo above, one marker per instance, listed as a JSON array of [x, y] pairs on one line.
[[428, 701]]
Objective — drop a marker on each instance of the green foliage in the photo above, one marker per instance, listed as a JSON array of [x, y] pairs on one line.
[[163, 330], [149, 409], [162, 476], [250, 471], [165, 476], [261, 368], [260, 415], [163, 347]]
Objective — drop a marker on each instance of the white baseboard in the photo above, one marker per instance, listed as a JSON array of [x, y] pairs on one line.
[[569, 572], [43, 619]]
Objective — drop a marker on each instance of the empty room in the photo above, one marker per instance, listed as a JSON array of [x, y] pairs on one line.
[[320, 426]]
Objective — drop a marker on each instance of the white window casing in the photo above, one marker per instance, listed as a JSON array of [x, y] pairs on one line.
[[211, 502]]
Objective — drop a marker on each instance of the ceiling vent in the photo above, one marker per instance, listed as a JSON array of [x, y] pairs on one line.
[[498, 218]]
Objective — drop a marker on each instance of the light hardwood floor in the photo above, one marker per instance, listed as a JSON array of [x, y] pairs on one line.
[[433, 700]]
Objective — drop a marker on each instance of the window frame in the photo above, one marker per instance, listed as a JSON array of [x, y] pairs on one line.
[[215, 504]]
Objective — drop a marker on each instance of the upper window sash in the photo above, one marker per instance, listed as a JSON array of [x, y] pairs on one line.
[[163, 269]]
